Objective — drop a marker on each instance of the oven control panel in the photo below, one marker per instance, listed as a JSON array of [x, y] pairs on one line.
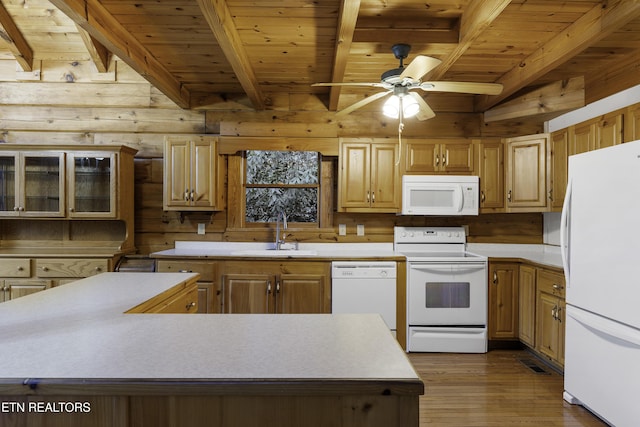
[[429, 235]]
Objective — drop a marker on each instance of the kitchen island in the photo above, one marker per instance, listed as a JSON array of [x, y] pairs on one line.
[[72, 356]]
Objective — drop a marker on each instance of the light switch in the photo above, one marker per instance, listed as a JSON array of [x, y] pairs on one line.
[[342, 229], [201, 228], [360, 229]]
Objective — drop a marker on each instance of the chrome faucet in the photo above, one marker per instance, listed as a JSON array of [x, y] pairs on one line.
[[280, 240]]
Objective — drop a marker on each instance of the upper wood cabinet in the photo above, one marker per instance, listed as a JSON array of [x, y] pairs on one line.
[[438, 156], [600, 132], [33, 182], [491, 173], [67, 181], [368, 176], [526, 173], [557, 169], [191, 174]]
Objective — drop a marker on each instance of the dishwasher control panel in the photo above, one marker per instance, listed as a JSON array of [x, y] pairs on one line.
[[363, 269]]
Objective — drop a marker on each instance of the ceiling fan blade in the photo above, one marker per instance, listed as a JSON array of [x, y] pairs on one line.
[[362, 103], [377, 84], [420, 66], [425, 112], [462, 87]]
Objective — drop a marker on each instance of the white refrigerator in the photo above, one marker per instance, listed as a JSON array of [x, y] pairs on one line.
[[600, 240]]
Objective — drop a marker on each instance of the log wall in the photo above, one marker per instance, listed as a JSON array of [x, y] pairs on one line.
[[65, 102]]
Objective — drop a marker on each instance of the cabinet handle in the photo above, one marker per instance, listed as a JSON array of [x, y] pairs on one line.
[[269, 287], [509, 195], [278, 287], [192, 197], [445, 160], [495, 278], [20, 268], [45, 268], [482, 196], [437, 160], [373, 197], [186, 195], [551, 194], [558, 314], [185, 271], [98, 269], [368, 197], [554, 312], [557, 287], [190, 305]]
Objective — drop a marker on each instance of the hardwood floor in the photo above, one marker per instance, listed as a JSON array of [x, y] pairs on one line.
[[493, 389]]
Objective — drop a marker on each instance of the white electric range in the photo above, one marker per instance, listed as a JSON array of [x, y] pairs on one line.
[[446, 290]]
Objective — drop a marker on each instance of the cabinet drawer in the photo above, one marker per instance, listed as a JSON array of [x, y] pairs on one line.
[[15, 267], [551, 282], [207, 269], [184, 302], [70, 267]]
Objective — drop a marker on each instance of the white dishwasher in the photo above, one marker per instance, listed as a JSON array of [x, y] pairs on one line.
[[365, 287]]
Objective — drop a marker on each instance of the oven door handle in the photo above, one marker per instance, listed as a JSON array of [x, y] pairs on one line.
[[448, 267]]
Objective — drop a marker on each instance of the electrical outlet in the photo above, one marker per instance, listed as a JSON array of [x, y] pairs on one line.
[[360, 229], [342, 229], [201, 228]]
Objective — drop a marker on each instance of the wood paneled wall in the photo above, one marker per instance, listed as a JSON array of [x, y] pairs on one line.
[[70, 102]]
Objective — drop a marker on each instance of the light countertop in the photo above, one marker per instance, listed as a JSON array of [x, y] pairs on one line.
[[546, 255], [79, 330]]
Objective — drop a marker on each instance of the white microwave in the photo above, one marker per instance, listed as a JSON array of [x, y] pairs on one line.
[[440, 195]]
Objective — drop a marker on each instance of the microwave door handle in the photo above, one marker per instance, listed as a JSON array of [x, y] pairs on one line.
[[459, 197]]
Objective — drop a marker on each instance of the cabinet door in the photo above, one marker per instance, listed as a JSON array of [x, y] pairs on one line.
[[302, 293], [16, 288], [41, 185], [609, 130], [457, 157], [503, 301], [527, 304], [548, 326], [491, 172], [421, 157], [248, 293], [582, 138], [9, 188], [177, 173], [558, 166], [203, 174], [526, 173], [92, 185], [385, 179], [355, 175]]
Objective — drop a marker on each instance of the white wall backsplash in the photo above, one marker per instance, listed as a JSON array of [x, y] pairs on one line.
[[551, 231]]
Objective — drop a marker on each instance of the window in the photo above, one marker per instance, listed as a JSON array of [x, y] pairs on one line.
[[282, 181]]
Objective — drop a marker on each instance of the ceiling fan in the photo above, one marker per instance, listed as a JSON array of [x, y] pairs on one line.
[[401, 83]]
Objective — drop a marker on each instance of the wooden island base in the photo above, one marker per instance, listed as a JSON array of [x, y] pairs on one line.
[[77, 356]]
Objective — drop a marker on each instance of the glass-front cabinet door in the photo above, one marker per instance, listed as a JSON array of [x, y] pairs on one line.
[[32, 184], [92, 185]]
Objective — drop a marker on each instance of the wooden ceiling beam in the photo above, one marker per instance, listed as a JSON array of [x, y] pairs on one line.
[[16, 42], [99, 54], [477, 17], [346, 25], [221, 23], [556, 97], [596, 24], [104, 27]]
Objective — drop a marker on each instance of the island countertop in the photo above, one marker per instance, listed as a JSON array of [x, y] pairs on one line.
[[80, 331]]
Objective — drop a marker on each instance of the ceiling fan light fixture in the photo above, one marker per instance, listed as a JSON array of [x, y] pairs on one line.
[[392, 106]]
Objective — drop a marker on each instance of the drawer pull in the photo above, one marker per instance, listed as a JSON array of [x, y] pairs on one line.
[[190, 305], [557, 287], [98, 268], [45, 268], [20, 268]]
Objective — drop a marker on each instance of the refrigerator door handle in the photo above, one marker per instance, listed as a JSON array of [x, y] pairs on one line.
[[565, 217], [605, 328]]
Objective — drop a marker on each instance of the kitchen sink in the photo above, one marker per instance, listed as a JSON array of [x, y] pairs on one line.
[[275, 253]]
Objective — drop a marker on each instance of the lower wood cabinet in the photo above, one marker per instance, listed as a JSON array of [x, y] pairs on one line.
[[503, 300], [24, 276], [209, 290], [527, 304], [276, 287], [550, 315]]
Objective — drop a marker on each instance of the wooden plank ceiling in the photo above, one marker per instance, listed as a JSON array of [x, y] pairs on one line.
[[207, 51]]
